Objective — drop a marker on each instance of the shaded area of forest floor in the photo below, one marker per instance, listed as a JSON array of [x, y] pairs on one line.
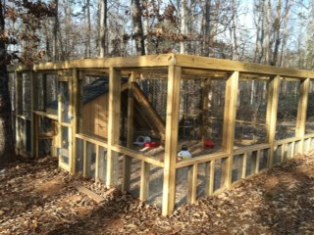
[[37, 198]]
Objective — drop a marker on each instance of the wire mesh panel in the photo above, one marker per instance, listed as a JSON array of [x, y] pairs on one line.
[[251, 112], [156, 179], [102, 167], [79, 155], [310, 110], [287, 108], [263, 159], [252, 159], [220, 174], [237, 168], [91, 160]]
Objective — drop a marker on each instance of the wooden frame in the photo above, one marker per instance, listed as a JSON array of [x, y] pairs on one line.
[[177, 68]]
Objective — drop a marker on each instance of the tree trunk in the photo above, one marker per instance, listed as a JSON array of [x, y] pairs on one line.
[[6, 133], [103, 28], [138, 27]]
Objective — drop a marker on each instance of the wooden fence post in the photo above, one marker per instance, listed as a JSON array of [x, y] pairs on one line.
[[113, 124], [230, 111], [74, 101], [271, 115], [127, 161], [302, 111], [171, 139]]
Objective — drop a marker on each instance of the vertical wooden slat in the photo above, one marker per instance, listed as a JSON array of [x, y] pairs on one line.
[[127, 161], [74, 101], [113, 124], [171, 140], [205, 116], [292, 149], [144, 191], [258, 156], [230, 110], [192, 184], [85, 162], [244, 166], [33, 122], [302, 111], [211, 178], [97, 163], [271, 115], [17, 110]]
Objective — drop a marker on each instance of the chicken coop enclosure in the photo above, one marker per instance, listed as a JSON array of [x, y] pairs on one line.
[[123, 121]]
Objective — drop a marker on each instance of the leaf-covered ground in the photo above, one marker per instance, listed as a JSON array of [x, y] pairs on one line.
[[37, 198]]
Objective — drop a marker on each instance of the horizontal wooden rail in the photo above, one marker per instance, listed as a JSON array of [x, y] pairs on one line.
[[136, 155], [201, 159], [47, 115], [92, 140]]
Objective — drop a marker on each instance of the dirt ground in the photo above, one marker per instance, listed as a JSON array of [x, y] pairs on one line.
[[37, 198]]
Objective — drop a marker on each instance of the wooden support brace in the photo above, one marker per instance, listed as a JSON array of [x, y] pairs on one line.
[[172, 122]]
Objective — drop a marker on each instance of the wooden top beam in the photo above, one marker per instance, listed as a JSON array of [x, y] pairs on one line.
[[187, 62]]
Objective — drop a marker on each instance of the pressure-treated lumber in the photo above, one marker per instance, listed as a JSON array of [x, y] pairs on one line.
[[271, 114], [302, 111], [144, 189], [229, 121], [113, 124], [171, 139], [74, 108]]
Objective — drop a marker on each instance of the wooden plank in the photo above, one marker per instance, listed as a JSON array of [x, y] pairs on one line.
[[271, 114], [144, 190], [211, 178], [74, 113], [258, 156], [201, 159], [137, 155], [47, 115], [93, 140], [244, 166], [91, 194], [171, 139], [230, 111], [97, 164], [302, 111], [198, 62], [161, 60], [85, 164], [113, 124], [33, 100], [205, 108], [192, 184], [127, 161]]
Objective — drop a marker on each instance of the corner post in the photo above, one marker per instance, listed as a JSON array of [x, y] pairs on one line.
[[171, 139], [113, 124], [230, 111], [271, 115]]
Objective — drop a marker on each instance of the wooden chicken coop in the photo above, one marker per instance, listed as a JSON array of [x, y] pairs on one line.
[[91, 113]]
